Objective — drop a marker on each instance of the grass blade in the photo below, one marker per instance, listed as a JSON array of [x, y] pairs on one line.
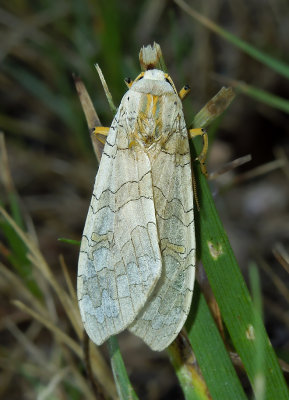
[[112, 106], [263, 96], [124, 387], [259, 384], [210, 351], [271, 62], [233, 297], [190, 378]]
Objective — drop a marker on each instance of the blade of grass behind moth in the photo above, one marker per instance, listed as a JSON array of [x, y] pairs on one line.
[[271, 62], [124, 387], [90, 115], [112, 106], [68, 281], [232, 294], [211, 354]]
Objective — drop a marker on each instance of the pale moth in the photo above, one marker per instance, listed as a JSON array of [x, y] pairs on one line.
[[137, 258]]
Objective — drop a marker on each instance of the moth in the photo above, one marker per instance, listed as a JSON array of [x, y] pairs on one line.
[[137, 258]]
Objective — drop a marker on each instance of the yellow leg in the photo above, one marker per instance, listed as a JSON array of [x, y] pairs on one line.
[[202, 156], [99, 131], [184, 92], [128, 82]]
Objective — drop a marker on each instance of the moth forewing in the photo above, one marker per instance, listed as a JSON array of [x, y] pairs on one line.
[[136, 265], [120, 261], [166, 310]]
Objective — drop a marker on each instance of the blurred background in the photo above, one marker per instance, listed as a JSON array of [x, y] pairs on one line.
[[52, 164]]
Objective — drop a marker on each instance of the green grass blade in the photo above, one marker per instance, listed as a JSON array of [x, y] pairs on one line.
[[69, 241], [271, 62], [16, 209], [191, 381], [261, 95], [17, 254], [233, 297], [112, 106], [259, 384], [210, 351], [124, 387]]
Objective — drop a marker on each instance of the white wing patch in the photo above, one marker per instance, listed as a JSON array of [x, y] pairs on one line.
[[137, 256]]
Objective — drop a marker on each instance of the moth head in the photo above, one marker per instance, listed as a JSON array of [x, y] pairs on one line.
[[155, 82]]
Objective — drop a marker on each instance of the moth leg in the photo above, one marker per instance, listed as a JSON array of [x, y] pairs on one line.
[[128, 82], [202, 156], [100, 131], [184, 92]]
